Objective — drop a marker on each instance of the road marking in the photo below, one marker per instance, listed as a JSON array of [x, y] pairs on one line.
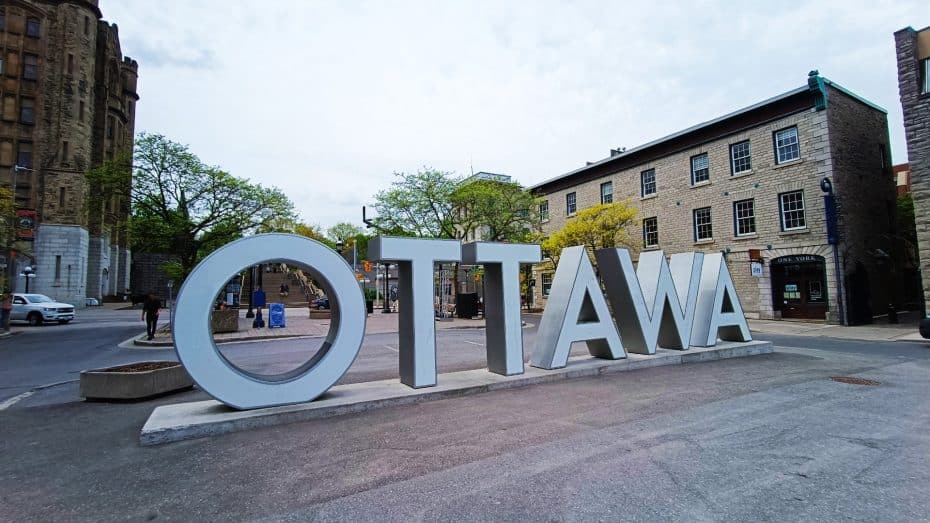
[[388, 347], [474, 343], [15, 399]]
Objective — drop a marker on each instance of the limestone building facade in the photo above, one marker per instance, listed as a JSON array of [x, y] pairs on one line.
[[913, 51], [68, 104], [750, 184]]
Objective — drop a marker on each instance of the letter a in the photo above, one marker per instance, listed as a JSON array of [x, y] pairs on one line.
[[576, 311], [656, 303], [718, 308]]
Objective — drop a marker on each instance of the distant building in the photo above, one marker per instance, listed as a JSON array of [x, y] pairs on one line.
[[749, 185], [913, 51], [902, 178], [68, 104]]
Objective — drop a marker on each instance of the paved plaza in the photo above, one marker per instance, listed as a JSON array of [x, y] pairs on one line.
[[767, 437]]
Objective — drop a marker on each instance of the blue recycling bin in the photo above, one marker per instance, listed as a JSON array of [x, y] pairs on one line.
[[275, 315]]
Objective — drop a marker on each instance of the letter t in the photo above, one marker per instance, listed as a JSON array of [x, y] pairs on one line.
[[415, 258]]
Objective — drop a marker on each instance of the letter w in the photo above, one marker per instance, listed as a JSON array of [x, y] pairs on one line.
[[656, 303]]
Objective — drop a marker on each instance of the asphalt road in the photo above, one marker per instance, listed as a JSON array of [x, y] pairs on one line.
[[763, 438]]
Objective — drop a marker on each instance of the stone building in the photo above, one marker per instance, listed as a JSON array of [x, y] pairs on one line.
[[749, 185], [902, 178], [913, 50], [68, 104]]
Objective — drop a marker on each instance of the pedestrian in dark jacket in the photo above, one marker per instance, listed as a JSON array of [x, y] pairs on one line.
[[150, 309]]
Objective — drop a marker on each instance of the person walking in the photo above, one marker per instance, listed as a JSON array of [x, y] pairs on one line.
[[6, 308], [150, 309]]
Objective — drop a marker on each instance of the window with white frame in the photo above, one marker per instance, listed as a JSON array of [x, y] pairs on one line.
[[700, 169], [787, 147], [607, 192], [544, 211], [740, 157], [744, 217], [647, 182], [703, 229], [651, 232], [792, 210], [570, 205], [546, 283]]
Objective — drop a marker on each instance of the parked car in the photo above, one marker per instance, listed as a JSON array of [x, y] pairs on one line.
[[320, 303], [39, 308], [91, 302]]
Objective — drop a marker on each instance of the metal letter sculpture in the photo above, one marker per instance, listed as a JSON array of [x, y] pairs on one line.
[[655, 304], [417, 337], [688, 302], [504, 336], [718, 307], [222, 380], [576, 311]]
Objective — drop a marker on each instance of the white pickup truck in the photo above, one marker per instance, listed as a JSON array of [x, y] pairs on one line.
[[39, 308]]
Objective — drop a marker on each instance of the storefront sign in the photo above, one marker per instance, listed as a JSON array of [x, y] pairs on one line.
[[690, 301], [797, 258]]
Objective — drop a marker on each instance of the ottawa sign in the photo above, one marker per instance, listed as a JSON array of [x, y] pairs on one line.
[[687, 301]]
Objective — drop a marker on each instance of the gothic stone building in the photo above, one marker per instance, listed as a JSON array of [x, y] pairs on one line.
[[749, 185], [68, 104], [913, 49]]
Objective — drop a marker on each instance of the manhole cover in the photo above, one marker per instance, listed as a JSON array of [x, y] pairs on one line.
[[854, 381]]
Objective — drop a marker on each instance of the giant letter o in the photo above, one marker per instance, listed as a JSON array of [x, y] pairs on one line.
[[193, 338]]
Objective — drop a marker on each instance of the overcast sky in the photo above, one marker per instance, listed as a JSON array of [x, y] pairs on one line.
[[327, 99]]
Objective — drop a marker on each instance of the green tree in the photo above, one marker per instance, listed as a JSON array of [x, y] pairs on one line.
[[182, 206], [418, 204], [501, 211], [608, 225], [343, 232]]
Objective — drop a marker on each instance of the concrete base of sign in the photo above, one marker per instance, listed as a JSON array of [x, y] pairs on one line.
[[210, 418]]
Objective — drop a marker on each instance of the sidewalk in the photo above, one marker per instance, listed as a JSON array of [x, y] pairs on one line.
[[906, 331], [298, 324]]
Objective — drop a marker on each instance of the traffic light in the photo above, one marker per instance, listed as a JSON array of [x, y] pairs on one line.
[[367, 265]]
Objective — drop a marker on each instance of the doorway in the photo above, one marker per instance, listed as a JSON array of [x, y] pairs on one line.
[[799, 287]]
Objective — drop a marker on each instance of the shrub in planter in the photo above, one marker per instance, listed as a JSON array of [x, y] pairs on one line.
[[134, 381]]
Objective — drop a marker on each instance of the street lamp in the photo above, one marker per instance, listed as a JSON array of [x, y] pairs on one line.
[[28, 273]]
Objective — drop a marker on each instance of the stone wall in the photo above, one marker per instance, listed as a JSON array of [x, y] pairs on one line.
[[866, 201], [676, 198], [916, 107], [69, 244]]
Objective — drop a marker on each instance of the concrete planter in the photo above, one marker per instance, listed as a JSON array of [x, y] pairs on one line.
[[134, 381], [323, 314], [226, 320]]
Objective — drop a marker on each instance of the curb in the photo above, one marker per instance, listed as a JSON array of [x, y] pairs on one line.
[[139, 342]]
